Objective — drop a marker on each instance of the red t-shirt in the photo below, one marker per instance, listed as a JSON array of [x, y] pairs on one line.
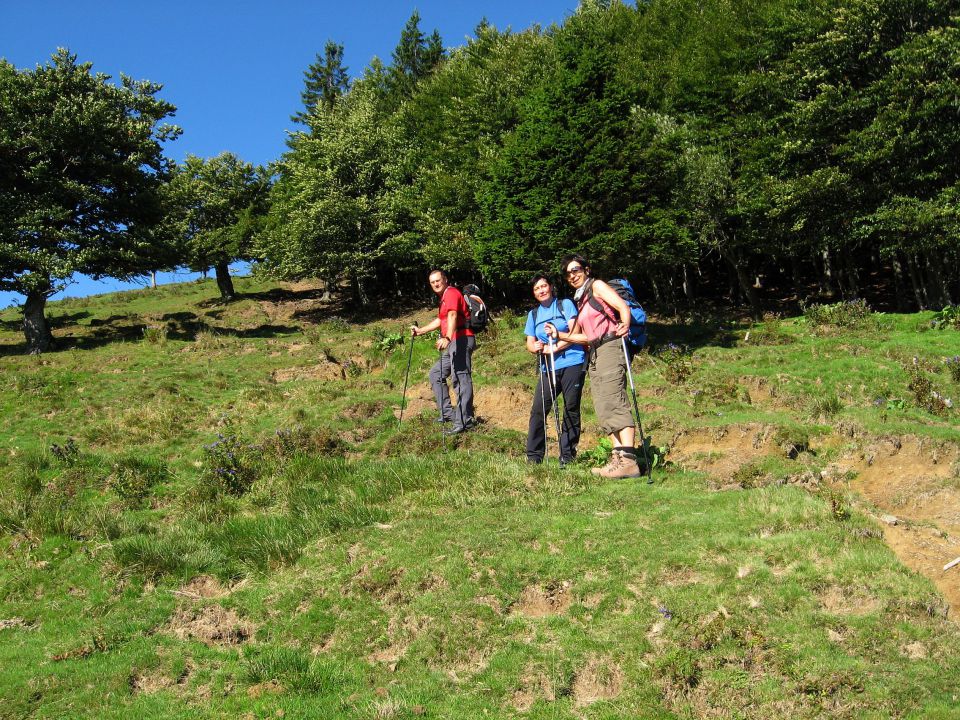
[[452, 299]]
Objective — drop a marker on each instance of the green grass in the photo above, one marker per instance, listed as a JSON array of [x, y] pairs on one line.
[[238, 529]]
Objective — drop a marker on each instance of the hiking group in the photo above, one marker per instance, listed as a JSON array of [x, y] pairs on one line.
[[592, 335]]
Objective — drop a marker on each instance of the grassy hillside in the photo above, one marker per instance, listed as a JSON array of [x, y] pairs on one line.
[[207, 510]]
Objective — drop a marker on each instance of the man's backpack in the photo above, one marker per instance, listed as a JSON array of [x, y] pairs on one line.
[[637, 337], [478, 316]]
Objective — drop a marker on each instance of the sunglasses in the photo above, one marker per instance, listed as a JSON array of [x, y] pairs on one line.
[[574, 270]]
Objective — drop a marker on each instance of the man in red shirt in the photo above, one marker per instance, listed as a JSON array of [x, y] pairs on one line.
[[456, 345]]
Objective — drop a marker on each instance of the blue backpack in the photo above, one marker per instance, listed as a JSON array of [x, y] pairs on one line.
[[637, 336]]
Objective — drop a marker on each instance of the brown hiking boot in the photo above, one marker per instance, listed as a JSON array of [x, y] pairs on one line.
[[626, 468], [609, 467]]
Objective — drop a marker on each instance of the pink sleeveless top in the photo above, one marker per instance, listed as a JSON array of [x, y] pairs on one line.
[[593, 323]]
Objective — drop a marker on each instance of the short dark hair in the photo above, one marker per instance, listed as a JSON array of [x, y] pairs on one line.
[[584, 263], [537, 277], [443, 274]]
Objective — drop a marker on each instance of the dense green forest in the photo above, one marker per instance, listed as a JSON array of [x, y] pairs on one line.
[[739, 151]]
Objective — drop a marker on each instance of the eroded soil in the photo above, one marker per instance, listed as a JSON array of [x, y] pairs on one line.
[[911, 486]]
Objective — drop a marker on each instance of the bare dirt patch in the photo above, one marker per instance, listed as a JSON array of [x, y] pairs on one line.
[[419, 400], [211, 625], [918, 483], [722, 451], [505, 407], [502, 407], [538, 601], [325, 370]]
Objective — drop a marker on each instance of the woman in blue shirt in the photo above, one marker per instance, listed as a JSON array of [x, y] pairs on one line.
[[569, 365]]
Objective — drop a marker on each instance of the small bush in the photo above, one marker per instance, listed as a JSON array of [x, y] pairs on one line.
[[848, 314], [825, 405], [949, 317], [597, 456], [676, 365], [953, 367], [925, 395], [132, 478], [334, 325], [289, 442], [769, 333], [156, 555], [386, 342], [155, 334], [232, 466], [67, 454]]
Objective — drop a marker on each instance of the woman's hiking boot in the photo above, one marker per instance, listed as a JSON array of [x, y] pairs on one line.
[[611, 465], [623, 464]]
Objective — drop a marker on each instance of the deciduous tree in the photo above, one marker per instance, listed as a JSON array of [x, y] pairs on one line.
[[81, 168]]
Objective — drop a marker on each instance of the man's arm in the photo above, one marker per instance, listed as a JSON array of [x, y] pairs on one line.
[[429, 327], [451, 324]]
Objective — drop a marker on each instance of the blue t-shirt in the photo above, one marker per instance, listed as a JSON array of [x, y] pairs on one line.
[[560, 313]]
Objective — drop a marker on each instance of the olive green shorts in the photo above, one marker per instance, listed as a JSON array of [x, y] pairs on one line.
[[608, 387]]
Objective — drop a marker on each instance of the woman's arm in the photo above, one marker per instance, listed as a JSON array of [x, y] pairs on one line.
[[571, 337]]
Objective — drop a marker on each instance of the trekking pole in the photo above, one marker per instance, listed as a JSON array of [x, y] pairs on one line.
[[555, 395], [541, 379], [443, 423], [633, 392], [406, 378]]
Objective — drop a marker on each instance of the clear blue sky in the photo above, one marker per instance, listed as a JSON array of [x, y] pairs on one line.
[[235, 69]]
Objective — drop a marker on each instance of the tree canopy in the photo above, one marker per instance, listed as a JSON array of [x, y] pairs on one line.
[[81, 172]]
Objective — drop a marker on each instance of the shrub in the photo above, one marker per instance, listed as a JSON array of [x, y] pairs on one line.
[[676, 365], [386, 342], [850, 313], [232, 466], [925, 395], [949, 317], [769, 333], [155, 334], [825, 405], [68, 453], [953, 367], [132, 478]]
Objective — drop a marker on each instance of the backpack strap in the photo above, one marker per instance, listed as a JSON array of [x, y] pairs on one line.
[[596, 304]]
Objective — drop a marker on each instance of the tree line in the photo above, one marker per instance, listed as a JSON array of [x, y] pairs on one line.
[[704, 148]]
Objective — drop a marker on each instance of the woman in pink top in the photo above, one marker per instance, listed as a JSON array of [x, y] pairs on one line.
[[599, 308]]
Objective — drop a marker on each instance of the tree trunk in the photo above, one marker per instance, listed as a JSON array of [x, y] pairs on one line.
[[796, 275], [899, 284], [224, 281], [35, 325], [746, 285], [849, 278], [153, 280], [658, 299], [919, 291], [941, 290], [827, 288], [689, 284]]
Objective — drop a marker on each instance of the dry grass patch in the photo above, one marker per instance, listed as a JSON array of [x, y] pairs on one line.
[[600, 679], [538, 601], [212, 625]]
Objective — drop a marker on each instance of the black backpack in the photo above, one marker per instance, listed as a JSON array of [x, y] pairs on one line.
[[478, 316]]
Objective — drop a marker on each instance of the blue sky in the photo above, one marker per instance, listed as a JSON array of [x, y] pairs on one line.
[[235, 69]]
